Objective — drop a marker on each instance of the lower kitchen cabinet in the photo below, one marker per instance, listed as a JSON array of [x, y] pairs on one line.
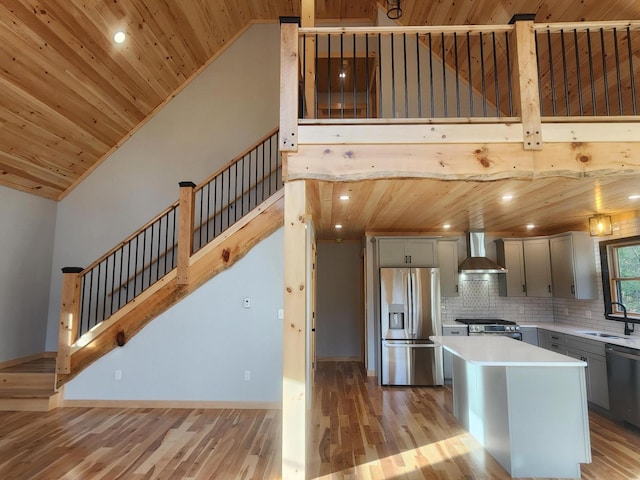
[[447, 357], [529, 335], [590, 351]]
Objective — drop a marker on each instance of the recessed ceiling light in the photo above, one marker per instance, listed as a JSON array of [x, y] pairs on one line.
[[446, 226], [119, 37], [634, 197], [338, 226], [344, 197], [530, 226], [506, 198]]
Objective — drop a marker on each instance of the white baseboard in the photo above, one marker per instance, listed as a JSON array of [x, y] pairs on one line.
[[173, 404]]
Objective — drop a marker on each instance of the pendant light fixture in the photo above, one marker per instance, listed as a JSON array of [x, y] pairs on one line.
[[394, 10], [600, 225]]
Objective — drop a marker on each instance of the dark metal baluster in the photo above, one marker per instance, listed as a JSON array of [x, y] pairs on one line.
[[151, 245], [144, 259], [566, 80], [406, 89], [615, 43], [328, 76], [379, 75], [228, 196], [469, 75], [509, 79], [235, 201], [604, 71], [166, 242], [159, 242], [90, 299], [578, 74], [444, 78], [482, 73], [304, 75], [270, 167], [249, 189], [122, 285], [104, 299], [201, 194], [551, 75], [315, 80], [366, 67], [135, 268], [355, 78], [495, 74], [173, 237], [418, 72], [633, 84], [593, 88], [455, 48], [432, 97], [341, 75], [393, 78], [113, 282], [264, 174], [208, 209], [128, 277]]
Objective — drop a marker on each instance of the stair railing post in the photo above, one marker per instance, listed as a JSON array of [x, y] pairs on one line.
[[185, 231], [69, 317], [526, 87], [289, 87]]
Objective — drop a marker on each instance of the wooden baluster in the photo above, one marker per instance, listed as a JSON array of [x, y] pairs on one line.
[[185, 231], [526, 88], [69, 317]]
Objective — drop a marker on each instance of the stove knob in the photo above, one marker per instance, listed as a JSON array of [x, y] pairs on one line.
[[509, 329]]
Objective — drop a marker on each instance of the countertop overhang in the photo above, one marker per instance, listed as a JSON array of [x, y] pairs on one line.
[[497, 351]]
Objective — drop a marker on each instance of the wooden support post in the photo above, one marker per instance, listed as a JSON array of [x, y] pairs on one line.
[[526, 89], [69, 317], [289, 84], [294, 352], [185, 232]]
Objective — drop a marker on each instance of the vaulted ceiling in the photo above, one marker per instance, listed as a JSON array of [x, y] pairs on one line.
[[70, 96]]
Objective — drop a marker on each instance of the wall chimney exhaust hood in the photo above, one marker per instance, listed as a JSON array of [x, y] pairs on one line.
[[477, 261]]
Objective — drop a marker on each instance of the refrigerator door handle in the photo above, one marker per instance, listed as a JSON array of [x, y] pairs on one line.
[[408, 326], [414, 303]]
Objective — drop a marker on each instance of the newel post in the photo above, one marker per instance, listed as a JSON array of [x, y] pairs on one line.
[[185, 231], [526, 88], [69, 317], [289, 84]]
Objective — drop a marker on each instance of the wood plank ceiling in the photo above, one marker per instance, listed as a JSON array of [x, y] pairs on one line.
[[70, 96]]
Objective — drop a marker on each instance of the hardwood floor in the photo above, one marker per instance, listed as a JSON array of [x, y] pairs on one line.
[[358, 430]]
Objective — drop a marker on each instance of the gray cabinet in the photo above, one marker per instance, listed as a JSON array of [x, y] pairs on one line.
[[573, 266], [529, 335], [448, 263], [447, 358], [402, 252], [589, 351], [528, 267]]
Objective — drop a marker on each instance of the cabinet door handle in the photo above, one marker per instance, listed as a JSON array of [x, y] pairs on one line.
[[524, 289], [409, 258], [455, 333], [555, 338], [406, 259], [456, 288], [549, 288], [573, 289], [555, 345]]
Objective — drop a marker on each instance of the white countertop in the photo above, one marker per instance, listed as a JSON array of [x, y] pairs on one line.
[[500, 351], [625, 341]]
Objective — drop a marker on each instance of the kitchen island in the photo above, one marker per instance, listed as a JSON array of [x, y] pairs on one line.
[[527, 406]]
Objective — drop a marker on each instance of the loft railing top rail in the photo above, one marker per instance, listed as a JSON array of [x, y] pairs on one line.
[[584, 26], [446, 29], [202, 184], [131, 237]]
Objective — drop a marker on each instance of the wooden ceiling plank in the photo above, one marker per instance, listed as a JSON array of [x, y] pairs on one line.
[[17, 182]]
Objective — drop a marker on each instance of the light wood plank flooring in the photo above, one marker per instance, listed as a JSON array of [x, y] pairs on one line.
[[358, 430]]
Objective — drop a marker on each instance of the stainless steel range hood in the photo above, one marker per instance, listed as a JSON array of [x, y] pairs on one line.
[[477, 261]]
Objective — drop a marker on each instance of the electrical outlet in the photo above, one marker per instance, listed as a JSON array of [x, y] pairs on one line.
[[247, 302], [280, 314], [247, 375], [118, 375]]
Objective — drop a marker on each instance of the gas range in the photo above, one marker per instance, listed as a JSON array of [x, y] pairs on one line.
[[491, 326]]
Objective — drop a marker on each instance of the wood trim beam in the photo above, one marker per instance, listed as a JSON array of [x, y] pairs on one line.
[[288, 87], [477, 162], [526, 88], [185, 231], [294, 411], [69, 318]]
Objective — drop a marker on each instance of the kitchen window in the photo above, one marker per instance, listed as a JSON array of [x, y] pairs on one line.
[[621, 277]]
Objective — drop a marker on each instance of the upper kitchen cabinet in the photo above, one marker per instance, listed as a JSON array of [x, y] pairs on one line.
[[448, 263], [573, 266], [528, 267], [407, 252]]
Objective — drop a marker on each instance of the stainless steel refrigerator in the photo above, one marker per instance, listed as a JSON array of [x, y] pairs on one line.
[[409, 314]]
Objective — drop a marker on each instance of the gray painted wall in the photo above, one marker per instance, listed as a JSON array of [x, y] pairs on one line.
[[339, 307], [199, 349], [227, 108], [26, 243]]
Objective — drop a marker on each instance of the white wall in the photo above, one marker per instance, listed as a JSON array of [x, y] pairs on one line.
[[339, 324], [26, 243], [199, 349], [226, 109]]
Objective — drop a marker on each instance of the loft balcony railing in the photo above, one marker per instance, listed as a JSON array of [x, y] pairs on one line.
[[504, 74], [165, 244]]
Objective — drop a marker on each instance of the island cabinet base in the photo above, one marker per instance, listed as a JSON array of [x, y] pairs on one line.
[[532, 419]]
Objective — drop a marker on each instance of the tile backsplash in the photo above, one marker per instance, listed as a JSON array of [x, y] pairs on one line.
[[479, 297]]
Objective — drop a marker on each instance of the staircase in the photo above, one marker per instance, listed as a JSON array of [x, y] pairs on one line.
[[29, 386]]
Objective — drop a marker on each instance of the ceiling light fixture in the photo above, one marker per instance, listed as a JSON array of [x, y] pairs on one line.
[[394, 10], [344, 197], [446, 226], [506, 198], [119, 37], [634, 197], [338, 226], [600, 225], [530, 226]]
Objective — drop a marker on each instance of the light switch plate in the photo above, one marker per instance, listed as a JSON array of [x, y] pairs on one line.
[[247, 302]]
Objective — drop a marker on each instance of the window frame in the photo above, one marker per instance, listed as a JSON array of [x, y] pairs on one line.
[[608, 263]]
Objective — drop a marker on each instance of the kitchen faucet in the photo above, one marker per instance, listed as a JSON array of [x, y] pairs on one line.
[[628, 329]]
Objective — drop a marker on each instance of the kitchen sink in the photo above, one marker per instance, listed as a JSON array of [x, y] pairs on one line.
[[603, 335]]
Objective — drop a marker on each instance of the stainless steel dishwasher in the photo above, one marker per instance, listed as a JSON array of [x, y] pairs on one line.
[[623, 372]]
